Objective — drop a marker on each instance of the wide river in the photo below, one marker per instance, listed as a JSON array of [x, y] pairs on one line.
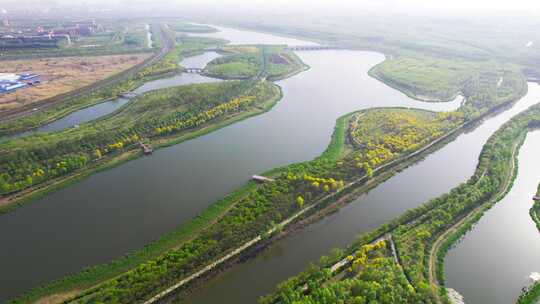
[[120, 210]]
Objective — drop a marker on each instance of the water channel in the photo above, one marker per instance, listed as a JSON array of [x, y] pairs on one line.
[[492, 263]]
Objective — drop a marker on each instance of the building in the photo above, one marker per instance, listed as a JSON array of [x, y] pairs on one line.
[[28, 76], [10, 82], [9, 77], [5, 22], [11, 86]]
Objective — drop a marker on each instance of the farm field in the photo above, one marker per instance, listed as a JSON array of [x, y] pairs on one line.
[[168, 65], [63, 74]]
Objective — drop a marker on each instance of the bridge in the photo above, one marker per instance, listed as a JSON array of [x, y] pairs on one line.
[[193, 70], [312, 47]]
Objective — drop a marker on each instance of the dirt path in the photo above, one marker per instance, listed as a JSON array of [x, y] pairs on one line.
[[440, 240]]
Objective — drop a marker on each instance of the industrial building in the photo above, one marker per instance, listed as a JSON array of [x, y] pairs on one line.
[[10, 82], [18, 41]]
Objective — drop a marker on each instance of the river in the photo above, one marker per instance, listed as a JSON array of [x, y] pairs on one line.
[[492, 262], [119, 210]]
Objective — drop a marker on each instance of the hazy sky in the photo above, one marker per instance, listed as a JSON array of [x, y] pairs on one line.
[[399, 5], [349, 6]]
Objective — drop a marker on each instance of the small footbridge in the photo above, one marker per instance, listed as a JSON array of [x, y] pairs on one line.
[[312, 47], [193, 70], [128, 95], [146, 148]]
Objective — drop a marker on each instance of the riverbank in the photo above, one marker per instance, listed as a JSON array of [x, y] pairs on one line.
[[116, 156], [535, 210], [452, 235]]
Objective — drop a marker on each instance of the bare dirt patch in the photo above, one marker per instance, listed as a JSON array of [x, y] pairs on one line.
[[58, 298], [63, 74]]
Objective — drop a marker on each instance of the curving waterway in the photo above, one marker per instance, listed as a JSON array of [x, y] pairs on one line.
[[492, 263], [119, 210]]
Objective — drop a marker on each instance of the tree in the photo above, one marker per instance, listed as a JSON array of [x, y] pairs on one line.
[[300, 202], [368, 169]]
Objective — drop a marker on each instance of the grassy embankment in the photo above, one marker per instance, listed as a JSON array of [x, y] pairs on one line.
[[421, 235], [168, 65], [252, 210], [439, 79]]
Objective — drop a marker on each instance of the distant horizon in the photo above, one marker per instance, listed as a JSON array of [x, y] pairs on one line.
[[140, 8]]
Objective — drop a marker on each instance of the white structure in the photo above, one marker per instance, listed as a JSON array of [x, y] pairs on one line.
[[454, 296], [9, 77], [534, 276]]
